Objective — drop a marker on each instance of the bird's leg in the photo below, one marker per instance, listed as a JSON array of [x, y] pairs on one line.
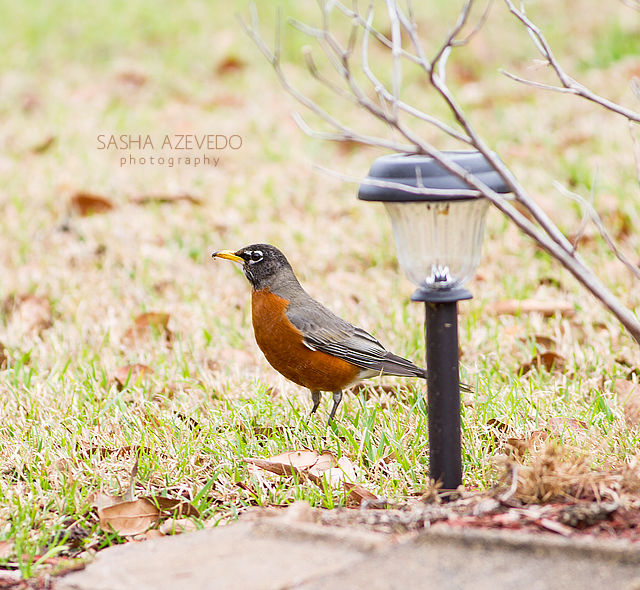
[[337, 398], [315, 396]]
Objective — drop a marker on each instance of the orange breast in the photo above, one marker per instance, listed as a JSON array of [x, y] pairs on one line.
[[281, 344]]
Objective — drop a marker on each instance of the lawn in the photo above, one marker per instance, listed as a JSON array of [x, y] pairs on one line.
[[91, 385]]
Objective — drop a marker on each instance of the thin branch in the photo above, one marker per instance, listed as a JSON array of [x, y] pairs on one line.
[[567, 82], [591, 214], [542, 230], [636, 149], [414, 190]]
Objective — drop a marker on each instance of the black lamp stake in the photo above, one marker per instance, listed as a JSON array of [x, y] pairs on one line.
[[438, 233]]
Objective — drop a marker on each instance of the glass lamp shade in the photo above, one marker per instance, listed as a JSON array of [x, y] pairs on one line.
[[439, 230], [439, 243]]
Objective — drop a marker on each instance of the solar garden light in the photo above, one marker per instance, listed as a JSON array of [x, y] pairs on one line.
[[438, 234]]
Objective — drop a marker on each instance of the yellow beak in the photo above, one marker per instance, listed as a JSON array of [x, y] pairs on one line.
[[228, 255]]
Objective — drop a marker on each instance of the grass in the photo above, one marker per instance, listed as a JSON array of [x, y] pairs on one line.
[[68, 430]]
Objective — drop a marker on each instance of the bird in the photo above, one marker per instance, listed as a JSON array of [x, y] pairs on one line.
[[301, 338]]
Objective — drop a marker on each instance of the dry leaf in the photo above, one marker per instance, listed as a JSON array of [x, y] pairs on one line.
[[560, 423], [551, 361], [146, 199], [148, 324], [307, 463], [132, 77], [358, 494], [131, 374], [629, 397], [286, 463], [230, 64], [44, 145], [88, 204], [31, 313], [6, 549], [177, 507], [3, 356], [129, 518], [546, 308]]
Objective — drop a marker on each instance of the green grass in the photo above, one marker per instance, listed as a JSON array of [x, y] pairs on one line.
[[67, 431]]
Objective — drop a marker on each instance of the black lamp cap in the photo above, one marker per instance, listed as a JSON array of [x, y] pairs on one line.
[[402, 169]]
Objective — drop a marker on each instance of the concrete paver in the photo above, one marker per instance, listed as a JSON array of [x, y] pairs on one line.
[[275, 553]]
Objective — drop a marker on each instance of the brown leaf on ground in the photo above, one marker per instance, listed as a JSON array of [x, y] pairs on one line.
[[629, 397], [286, 463], [518, 447], [230, 64], [318, 467], [551, 361], [541, 340], [168, 199], [177, 507], [42, 146], [30, 313], [131, 374], [358, 494], [561, 424], [6, 549], [546, 308], [85, 204], [146, 325], [132, 78], [129, 518], [3, 356]]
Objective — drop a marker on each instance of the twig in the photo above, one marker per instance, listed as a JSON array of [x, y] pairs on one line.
[[542, 229], [568, 83]]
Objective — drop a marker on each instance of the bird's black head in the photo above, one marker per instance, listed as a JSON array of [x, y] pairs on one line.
[[263, 265]]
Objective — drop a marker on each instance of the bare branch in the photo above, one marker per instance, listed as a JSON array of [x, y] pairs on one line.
[[542, 229], [592, 215], [414, 190], [568, 83], [636, 149]]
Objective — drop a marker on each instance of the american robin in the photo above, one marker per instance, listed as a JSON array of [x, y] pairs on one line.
[[301, 338]]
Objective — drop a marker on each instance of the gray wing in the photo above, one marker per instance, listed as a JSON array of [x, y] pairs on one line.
[[324, 331]]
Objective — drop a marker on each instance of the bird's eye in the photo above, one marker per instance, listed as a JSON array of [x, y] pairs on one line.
[[256, 256]]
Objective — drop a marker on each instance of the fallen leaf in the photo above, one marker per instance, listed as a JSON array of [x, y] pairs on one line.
[[629, 397], [132, 77], [546, 308], [6, 549], [3, 356], [129, 518], [44, 145], [131, 374], [332, 471], [177, 507], [541, 340], [318, 467], [31, 313], [146, 199], [88, 204], [146, 325], [287, 463], [358, 494], [230, 64], [551, 361], [560, 424]]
